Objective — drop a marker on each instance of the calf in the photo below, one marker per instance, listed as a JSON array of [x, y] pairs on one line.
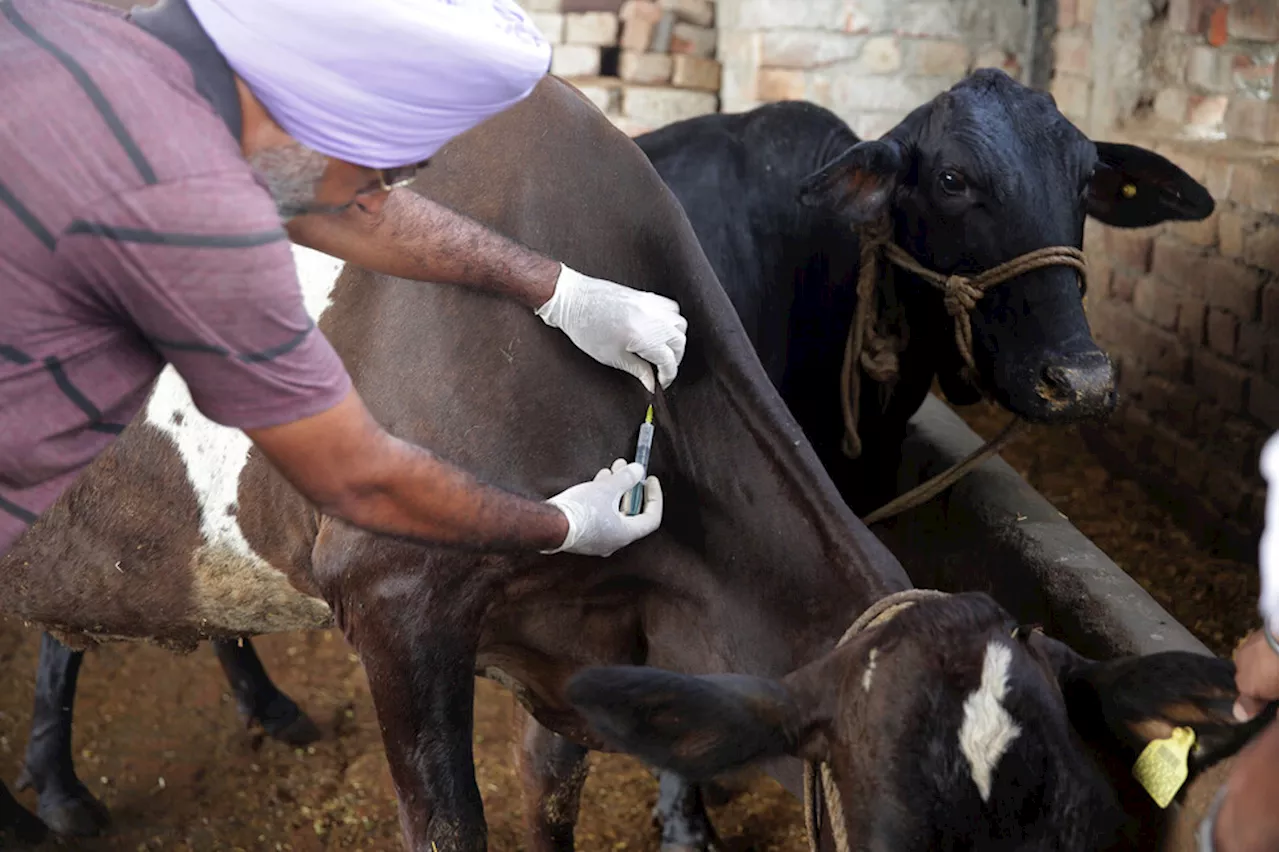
[[758, 569], [983, 173]]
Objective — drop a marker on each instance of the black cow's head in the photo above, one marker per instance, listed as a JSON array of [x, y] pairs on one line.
[[945, 728], [984, 173]]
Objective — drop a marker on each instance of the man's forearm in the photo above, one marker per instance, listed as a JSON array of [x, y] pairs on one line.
[[417, 495], [414, 237]]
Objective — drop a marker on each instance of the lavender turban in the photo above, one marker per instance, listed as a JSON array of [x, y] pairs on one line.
[[378, 83]]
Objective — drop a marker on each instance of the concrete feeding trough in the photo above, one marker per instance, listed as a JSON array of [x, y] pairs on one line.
[[993, 532]]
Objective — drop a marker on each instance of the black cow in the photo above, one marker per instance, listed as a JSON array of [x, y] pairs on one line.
[[975, 177]]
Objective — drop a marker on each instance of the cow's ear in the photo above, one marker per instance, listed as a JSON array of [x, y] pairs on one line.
[[1131, 701], [697, 727], [859, 184], [1132, 187]]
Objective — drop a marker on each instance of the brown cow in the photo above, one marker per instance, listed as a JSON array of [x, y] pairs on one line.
[[758, 569]]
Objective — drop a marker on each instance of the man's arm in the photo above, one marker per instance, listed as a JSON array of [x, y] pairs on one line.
[[414, 237], [344, 462], [349, 467]]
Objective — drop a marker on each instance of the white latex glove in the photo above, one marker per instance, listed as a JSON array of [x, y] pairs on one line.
[[597, 525], [618, 326], [1269, 547]]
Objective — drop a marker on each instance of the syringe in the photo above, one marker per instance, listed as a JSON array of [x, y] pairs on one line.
[[635, 500]]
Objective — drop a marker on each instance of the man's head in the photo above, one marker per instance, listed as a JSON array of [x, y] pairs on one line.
[[366, 91]]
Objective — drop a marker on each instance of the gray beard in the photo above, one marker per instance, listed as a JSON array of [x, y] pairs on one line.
[[292, 173]]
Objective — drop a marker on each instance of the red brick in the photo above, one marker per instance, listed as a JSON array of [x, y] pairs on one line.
[[1218, 25], [1253, 120], [1201, 233], [1231, 230], [1191, 319], [1066, 14], [1270, 297], [1182, 408], [1162, 352], [1262, 247], [1222, 330], [1254, 186], [1171, 105], [780, 84], [699, 41], [1253, 344], [1179, 263], [1190, 16], [1164, 446], [1233, 286], [1252, 20], [1217, 178], [1072, 94], [1073, 53], [1156, 301], [932, 57], [1215, 379], [1123, 285], [1206, 112], [1263, 402], [1130, 249], [1192, 467], [1157, 394], [1271, 370], [1253, 72]]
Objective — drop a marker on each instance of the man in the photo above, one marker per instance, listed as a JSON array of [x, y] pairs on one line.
[[147, 166], [1244, 815]]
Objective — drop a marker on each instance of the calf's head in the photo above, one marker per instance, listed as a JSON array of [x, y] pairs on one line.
[[945, 728], [989, 171]]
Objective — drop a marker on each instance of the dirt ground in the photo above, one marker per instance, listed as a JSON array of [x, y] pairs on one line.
[[158, 739]]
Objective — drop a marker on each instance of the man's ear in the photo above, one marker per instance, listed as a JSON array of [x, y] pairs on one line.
[[697, 727], [1133, 187], [1135, 700], [859, 184]]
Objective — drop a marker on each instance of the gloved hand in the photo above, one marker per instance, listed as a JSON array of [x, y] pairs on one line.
[[618, 326], [597, 526]]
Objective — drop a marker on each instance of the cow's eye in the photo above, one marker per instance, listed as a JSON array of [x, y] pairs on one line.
[[952, 182]]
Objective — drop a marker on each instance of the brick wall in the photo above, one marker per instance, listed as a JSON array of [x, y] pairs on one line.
[[869, 61], [645, 63], [1187, 310]]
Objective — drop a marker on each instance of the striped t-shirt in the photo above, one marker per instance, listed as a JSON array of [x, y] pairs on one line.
[[132, 233]]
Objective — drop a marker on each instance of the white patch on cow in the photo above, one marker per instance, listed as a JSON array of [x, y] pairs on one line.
[[988, 729], [870, 670], [235, 585]]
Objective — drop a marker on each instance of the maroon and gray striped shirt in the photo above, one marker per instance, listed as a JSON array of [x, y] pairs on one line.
[[132, 233]]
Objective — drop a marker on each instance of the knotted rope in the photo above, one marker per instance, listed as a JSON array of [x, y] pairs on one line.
[[817, 776], [868, 351]]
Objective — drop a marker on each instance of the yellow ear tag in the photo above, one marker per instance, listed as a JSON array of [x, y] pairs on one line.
[[1128, 190], [1161, 769]]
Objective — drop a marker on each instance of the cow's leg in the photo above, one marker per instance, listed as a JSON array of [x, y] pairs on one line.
[[261, 700], [66, 805], [682, 815], [552, 772]]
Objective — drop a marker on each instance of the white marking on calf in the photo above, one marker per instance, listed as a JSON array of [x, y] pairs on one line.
[[988, 729], [871, 670], [238, 589]]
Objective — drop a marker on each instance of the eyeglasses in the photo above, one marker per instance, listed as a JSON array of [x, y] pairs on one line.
[[397, 176]]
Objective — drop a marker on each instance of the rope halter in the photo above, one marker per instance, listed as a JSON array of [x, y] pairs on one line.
[[817, 776], [865, 348]]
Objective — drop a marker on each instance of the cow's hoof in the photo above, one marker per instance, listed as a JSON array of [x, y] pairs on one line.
[[284, 720], [75, 815], [17, 824]]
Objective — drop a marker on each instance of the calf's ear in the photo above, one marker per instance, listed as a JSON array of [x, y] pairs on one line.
[[859, 184], [697, 727], [1129, 702], [1132, 187]]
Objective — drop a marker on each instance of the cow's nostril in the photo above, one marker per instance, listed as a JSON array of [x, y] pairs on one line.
[[1069, 386]]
